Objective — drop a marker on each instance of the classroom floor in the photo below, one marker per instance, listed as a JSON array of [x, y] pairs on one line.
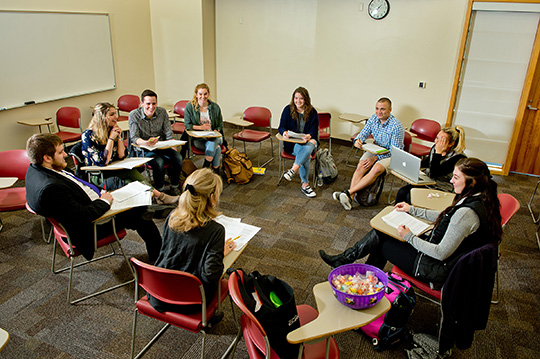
[[34, 311]]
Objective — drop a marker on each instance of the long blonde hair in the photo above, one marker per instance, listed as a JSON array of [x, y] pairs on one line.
[[194, 101], [198, 202], [457, 136], [98, 124]]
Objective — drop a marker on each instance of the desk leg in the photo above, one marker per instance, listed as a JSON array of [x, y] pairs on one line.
[[327, 348], [301, 351], [391, 189]]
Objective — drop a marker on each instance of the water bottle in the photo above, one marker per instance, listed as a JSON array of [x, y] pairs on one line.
[[320, 181]]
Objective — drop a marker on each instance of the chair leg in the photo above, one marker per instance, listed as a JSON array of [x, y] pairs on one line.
[[390, 190], [349, 156], [529, 205], [150, 343], [498, 283]]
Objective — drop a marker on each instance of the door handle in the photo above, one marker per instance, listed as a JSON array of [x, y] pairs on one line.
[[529, 107]]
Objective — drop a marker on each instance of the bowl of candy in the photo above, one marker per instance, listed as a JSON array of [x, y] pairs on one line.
[[357, 285]]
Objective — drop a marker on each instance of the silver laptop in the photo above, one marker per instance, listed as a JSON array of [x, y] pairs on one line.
[[408, 166]]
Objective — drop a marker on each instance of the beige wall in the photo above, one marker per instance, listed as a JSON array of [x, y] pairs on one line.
[[265, 49], [132, 49]]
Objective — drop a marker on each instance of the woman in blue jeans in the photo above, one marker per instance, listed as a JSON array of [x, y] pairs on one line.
[[202, 114], [300, 117]]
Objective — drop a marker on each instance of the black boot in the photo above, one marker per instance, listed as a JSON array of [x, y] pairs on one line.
[[207, 164], [360, 249]]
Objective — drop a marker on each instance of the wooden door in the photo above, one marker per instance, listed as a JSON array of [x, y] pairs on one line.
[[527, 152]]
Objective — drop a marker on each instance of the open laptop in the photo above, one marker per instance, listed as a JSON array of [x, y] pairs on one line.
[[408, 166]]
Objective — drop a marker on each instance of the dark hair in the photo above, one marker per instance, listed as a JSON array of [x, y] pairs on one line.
[[385, 99], [307, 104], [478, 180], [42, 144], [148, 92]]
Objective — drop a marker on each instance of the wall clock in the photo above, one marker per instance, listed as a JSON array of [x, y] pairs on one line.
[[378, 9]]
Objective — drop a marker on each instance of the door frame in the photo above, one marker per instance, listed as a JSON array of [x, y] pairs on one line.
[[518, 121]]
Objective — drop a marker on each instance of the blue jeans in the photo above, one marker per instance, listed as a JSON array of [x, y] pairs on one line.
[[211, 147], [303, 154], [161, 157]]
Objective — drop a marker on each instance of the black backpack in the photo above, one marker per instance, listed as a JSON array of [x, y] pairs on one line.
[[370, 195]]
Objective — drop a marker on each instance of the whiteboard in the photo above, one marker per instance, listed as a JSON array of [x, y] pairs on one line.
[[48, 56]]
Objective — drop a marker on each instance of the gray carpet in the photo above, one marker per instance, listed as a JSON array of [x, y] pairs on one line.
[[34, 311]]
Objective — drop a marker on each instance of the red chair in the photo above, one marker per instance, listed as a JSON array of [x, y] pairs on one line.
[[325, 129], [64, 241], [177, 288], [257, 343], [287, 156], [179, 108], [127, 103], [260, 117], [68, 117], [509, 207], [13, 163], [425, 130], [42, 220]]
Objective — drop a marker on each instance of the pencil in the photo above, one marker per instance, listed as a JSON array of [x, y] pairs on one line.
[[232, 239]]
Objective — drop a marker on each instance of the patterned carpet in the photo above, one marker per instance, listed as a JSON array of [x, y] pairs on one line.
[[34, 311]]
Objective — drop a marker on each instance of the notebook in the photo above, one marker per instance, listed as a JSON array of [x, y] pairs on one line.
[[408, 166]]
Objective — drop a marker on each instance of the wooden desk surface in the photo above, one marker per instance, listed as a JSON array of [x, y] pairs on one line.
[[124, 125], [431, 198], [36, 122], [352, 117], [6, 182], [335, 317], [380, 225], [238, 121], [197, 135], [403, 178], [290, 139]]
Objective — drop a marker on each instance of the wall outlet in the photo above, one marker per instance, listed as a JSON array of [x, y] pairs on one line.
[[422, 84]]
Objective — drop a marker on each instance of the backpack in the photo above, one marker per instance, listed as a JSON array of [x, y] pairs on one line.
[[370, 195], [390, 328], [271, 300], [188, 167], [237, 166], [326, 166]]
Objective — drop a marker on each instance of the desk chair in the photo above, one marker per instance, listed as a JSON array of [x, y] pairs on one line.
[[64, 241], [178, 288], [425, 130], [178, 128], [260, 117], [287, 156], [42, 220], [68, 117], [325, 129], [194, 151], [79, 161], [13, 163], [127, 103], [255, 336]]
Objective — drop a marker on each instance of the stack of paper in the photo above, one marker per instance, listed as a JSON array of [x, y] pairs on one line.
[[296, 135], [164, 144], [240, 233], [373, 148], [395, 219], [134, 194]]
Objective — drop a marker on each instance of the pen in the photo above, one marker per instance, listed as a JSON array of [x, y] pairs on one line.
[[232, 239], [105, 188]]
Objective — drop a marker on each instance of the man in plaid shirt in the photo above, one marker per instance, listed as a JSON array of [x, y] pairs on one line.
[[387, 131]]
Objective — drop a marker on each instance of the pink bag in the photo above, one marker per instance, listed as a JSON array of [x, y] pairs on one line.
[[390, 328]]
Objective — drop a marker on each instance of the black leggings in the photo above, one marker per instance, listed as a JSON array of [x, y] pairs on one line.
[[399, 253]]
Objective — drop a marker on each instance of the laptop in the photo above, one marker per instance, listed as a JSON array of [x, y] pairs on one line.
[[408, 166]]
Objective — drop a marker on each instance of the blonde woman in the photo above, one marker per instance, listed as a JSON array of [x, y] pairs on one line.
[[102, 144], [202, 114], [193, 241], [439, 164]]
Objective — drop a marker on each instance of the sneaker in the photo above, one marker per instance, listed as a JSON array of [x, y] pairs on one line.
[[335, 196], [289, 175], [345, 201], [166, 199], [308, 191]]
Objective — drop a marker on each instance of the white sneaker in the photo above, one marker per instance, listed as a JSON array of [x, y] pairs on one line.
[[335, 196], [308, 191], [289, 175], [345, 201]]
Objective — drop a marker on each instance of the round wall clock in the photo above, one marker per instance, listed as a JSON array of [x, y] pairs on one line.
[[378, 9]]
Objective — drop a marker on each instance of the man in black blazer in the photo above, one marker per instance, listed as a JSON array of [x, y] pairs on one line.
[[53, 192]]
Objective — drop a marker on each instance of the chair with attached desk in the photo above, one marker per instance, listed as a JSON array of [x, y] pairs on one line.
[[13, 163], [176, 288], [69, 117], [197, 152], [127, 103], [283, 155], [178, 128], [260, 117], [255, 336], [64, 241], [325, 132], [425, 130]]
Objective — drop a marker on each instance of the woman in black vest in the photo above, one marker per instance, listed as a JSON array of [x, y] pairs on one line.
[[473, 220]]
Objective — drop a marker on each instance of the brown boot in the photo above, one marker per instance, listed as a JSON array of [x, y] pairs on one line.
[[164, 198]]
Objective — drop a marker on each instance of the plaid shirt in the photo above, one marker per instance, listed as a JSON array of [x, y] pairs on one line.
[[141, 127], [388, 134]]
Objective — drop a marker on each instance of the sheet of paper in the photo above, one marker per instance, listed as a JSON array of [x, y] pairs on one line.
[[296, 135], [129, 190], [396, 219], [141, 199], [240, 232], [164, 144], [203, 133], [130, 162], [373, 148]]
